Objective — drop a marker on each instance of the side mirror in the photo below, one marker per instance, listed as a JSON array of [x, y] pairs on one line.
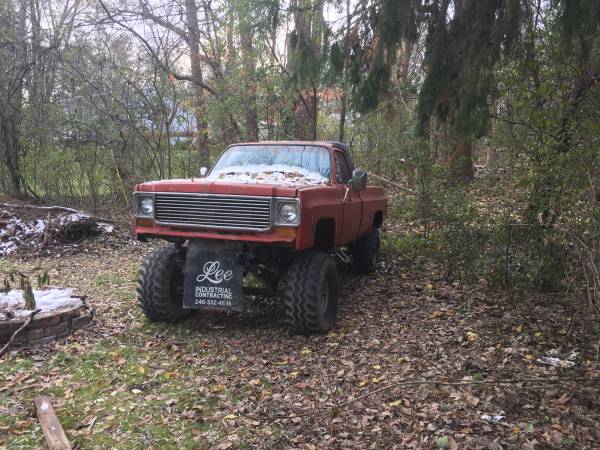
[[359, 180], [203, 171]]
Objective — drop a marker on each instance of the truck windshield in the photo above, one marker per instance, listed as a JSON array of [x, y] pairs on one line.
[[302, 163]]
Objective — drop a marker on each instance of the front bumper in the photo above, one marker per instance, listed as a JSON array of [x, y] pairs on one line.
[[145, 229]]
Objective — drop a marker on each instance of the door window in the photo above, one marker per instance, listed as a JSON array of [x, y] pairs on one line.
[[343, 174]]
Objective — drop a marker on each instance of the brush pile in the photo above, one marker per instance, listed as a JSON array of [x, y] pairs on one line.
[[33, 229]]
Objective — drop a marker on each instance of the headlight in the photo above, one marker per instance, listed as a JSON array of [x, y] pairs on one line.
[[287, 212], [143, 206], [146, 206]]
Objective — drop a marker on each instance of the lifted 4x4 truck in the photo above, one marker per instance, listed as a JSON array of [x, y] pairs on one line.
[[277, 210]]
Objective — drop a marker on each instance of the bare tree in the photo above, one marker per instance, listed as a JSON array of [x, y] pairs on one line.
[[13, 52], [193, 41], [248, 72]]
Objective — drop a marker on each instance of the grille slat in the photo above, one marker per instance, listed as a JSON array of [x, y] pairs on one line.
[[234, 216], [178, 207], [204, 202], [214, 211]]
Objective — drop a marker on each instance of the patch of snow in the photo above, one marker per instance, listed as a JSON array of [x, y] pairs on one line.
[[268, 174], [18, 233], [106, 227], [494, 419], [72, 217], [551, 359], [6, 248], [45, 300], [40, 226], [14, 232]]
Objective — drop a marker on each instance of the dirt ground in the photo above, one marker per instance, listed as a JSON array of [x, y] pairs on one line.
[[414, 362]]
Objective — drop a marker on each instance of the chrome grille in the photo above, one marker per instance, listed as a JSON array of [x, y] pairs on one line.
[[238, 212]]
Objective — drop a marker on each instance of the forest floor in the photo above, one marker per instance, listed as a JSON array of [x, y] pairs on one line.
[[415, 361]]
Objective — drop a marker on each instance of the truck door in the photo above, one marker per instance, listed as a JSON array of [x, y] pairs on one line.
[[351, 203]]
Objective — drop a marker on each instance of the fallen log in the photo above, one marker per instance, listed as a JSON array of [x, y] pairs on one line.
[[53, 430]]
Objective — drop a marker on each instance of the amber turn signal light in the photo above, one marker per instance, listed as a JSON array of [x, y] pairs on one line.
[[144, 222], [286, 232]]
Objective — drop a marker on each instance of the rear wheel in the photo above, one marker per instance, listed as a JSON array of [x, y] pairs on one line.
[[160, 286], [364, 252], [310, 293]]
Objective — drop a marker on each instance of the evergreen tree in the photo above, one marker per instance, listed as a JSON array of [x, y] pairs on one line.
[[464, 41]]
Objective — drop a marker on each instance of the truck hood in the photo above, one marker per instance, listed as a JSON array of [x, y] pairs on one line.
[[210, 186]]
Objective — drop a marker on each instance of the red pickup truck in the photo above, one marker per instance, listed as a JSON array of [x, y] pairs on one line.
[[271, 214]]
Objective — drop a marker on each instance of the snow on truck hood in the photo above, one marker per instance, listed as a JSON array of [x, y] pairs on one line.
[[268, 174]]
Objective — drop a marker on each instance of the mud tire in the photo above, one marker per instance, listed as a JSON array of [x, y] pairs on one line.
[[310, 293], [365, 250], [160, 286]]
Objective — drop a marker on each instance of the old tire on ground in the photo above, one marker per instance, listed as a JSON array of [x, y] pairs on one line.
[[160, 286], [364, 252], [310, 293]]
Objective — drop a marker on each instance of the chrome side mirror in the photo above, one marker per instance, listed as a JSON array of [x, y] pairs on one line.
[[203, 171], [359, 180]]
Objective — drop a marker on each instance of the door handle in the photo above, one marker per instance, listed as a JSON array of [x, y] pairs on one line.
[[346, 195]]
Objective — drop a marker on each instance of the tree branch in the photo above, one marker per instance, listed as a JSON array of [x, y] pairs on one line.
[[18, 330], [150, 50]]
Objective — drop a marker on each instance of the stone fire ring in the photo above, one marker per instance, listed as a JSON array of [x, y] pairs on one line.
[[47, 327]]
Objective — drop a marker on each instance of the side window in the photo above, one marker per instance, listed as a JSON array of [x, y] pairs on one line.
[[343, 174]]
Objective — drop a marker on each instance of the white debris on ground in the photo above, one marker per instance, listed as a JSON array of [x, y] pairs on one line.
[[269, 174], [552, 359], [493, 419], [106, 227], [12, 303], [16, 233]]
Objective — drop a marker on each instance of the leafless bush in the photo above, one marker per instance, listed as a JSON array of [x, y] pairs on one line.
[[583, 276]]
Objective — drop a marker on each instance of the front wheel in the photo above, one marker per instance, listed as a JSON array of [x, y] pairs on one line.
[[160, 286], [310, 293]]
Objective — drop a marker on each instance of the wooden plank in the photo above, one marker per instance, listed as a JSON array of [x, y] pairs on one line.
[[53, 430]]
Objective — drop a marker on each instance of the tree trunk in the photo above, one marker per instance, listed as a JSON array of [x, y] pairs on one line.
[[10, 140], [11, 92], [315, 106], [461, 160], [344, 99], [304, 107], [248, 76], [492, 158], [199, 103]]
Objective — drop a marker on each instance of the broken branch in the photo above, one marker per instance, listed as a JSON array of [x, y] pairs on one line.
[[53, 430], [18, 330], [57, 208], [396, 185]]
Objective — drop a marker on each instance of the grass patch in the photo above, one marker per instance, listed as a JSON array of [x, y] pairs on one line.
[[406, 246], [135, 396]]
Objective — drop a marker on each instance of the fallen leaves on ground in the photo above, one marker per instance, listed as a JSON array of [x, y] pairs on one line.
[[238, 380]]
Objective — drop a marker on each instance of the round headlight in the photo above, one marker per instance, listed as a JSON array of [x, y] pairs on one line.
[[288, 213], [146, 205]]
